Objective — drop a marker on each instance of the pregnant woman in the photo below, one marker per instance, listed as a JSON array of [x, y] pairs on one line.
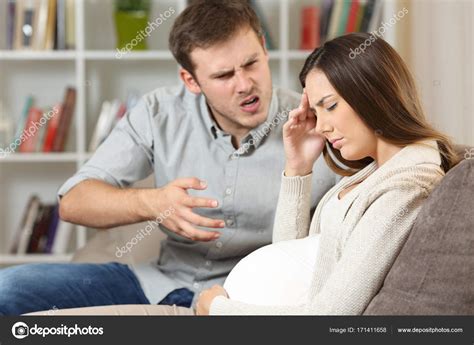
[[364, 115]]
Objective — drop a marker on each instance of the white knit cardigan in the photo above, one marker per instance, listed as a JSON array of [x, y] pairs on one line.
[[353, 261]]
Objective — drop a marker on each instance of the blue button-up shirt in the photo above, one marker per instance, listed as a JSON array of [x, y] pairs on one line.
[[170, 132]]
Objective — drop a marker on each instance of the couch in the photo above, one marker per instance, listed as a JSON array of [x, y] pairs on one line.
[[433, 274]]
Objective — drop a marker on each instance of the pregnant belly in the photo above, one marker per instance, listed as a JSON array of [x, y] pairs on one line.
[[277, 274]]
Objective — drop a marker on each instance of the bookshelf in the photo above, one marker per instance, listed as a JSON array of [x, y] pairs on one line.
[[93, 69]]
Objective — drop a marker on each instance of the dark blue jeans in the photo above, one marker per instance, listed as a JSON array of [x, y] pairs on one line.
[[35, 287]]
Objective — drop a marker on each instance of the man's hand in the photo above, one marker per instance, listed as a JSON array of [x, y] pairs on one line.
[[204, 301], [183, 220]]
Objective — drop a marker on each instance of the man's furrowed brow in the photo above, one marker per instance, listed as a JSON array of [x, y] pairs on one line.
[[232, 70], [221, 73], [249, 59]]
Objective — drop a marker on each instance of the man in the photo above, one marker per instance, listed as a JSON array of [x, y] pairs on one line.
[[215, 146]]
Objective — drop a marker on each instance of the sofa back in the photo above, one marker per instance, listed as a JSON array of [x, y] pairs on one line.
[[434, 272]]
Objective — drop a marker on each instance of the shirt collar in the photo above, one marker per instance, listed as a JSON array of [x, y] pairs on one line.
[[209, 121]]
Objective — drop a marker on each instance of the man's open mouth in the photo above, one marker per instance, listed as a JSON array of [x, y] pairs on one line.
[[250, 101], [251, 104]]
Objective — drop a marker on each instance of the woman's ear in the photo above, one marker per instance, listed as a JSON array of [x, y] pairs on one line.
[[189, 81]]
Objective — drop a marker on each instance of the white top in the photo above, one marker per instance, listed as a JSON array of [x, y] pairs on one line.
[[281, 273], [352, 260]]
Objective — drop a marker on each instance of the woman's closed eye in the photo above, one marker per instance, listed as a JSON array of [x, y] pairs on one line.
[[332, 107]]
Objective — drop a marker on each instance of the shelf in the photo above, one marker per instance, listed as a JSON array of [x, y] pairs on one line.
[[40, 157], [98, 72], [133, 55], [146, 55], [37, 55], [9, 259], [113, 55]]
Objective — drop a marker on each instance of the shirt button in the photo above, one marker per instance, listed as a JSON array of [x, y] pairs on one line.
[[219, 244], [196, 285], [228, 191], [208, 263], [230, 222]]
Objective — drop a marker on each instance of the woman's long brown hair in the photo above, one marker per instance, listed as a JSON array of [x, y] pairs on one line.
[[373, 79]]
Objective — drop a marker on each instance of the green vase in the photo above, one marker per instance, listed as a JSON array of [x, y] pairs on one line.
[[128, 25]]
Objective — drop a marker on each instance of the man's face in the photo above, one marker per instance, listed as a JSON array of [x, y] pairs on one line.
[[235, 78]]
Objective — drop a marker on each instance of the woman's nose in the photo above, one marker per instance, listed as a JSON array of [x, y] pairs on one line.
[[322, 126]]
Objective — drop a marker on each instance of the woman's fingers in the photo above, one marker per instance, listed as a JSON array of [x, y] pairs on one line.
[[304, 106]]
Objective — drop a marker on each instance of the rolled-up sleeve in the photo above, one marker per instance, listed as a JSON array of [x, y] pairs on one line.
[[126, 156]]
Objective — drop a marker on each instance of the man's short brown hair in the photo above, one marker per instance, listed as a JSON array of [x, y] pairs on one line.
[[207, 22]]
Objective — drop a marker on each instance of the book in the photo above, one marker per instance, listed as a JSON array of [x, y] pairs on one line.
[[41, 135], [70, 25], [352, 17], [50, 26], [310, 26], [68, 108], [30, 133], [40, 24], [342, 24], [52, 129], [11, 18], [53, 225], [37, 241], [24, 117], [22, 237], [368, 11], [335, 19], [41, 230], [60, 25], [325, 11], [360, 14]]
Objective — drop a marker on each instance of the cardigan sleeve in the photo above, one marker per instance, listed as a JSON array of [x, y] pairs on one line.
[[292, 215], [366, 257]]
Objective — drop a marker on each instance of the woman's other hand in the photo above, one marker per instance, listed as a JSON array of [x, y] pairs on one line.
[[205, 299], [303, 145]]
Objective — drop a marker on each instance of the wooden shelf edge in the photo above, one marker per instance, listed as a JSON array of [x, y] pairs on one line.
[[7, 259]]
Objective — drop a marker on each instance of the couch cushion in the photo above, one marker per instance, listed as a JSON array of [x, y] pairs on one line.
[[434, 272]]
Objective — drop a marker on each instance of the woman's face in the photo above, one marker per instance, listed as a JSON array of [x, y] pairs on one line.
[[337, 121]]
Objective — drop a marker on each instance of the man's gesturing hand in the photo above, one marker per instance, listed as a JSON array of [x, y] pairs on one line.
[[183, 220]]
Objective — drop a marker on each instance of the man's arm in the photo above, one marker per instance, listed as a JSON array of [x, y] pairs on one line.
[[97, 204]]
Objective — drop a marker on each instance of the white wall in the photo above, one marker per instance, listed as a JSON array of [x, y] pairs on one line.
[[441, 57]]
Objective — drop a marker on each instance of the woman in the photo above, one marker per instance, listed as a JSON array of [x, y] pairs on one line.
[[364, 115]]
